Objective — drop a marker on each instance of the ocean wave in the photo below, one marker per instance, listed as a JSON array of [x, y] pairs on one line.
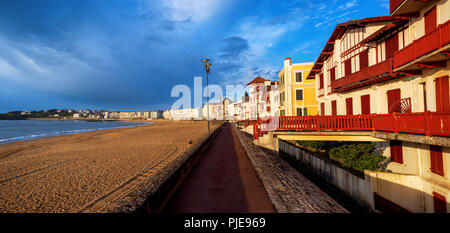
[[59, 133]]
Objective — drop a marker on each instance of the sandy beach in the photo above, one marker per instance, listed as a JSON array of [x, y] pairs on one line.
[[92, 172]]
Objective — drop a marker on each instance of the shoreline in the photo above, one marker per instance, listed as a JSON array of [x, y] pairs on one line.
[[27, 138]]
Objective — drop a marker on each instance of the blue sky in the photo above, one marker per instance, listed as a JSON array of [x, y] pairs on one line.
[[127, 55]]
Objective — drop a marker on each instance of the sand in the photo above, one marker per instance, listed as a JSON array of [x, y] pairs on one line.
[[93, 172]]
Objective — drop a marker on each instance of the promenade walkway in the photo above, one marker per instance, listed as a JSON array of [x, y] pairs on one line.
[[233, 176]]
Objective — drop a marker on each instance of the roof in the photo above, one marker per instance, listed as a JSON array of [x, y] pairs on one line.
[[257, 80], [339, 32]]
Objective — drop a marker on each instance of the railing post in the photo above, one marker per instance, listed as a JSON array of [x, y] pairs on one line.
[[318, 123], [427, 123], [372, 121], [395, 123]]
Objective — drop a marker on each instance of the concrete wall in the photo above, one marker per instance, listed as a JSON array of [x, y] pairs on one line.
[[356, 187]]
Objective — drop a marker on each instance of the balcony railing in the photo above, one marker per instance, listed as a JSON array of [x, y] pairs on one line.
[[439, 38], [356, 78], [394, 4], [424, 123]]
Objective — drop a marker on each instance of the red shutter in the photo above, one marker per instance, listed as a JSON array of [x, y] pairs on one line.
[[394, 97], [440, 204], [349, 106], [333, 74], [391, 46], [321, 81], [430, 21], [442, 94], [334, 108], [364, 59], [322, 109], [365, 105], [348, 67], [436, 160], [396, 151]]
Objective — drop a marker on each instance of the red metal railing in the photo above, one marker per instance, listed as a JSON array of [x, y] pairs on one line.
[[439, 38], [384, 67], [425, 123], [394, 4]]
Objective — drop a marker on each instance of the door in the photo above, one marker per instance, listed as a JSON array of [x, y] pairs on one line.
[[430, 21], [348, 67], [365, 105], [391, 46], [394, 99], [349, 106], [364, 59], [333, 74], [442, 94]]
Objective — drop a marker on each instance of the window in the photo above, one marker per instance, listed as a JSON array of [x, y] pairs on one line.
[[440, 204], [436, 160], [282, 99], [302, 112], [282, 113], [349, 106], [282, 80], [334, 108], [299, 77], [442, 94], [322, 109], [396, 151], [365, 105], [299, 94]]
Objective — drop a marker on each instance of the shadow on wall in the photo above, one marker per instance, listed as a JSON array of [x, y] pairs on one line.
[[375, 191]]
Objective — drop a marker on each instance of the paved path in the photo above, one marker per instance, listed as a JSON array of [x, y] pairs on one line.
[[223, 181]]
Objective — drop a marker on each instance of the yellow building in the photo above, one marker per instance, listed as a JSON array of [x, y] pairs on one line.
[[297, 93]]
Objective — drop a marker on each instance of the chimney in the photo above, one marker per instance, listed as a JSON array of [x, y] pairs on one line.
[[287, 61]]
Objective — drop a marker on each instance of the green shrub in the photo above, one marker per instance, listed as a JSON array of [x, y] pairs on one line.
[[359, 156]]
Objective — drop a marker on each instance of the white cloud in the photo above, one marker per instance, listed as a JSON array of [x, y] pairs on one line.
[[348, 5], [195, 10]]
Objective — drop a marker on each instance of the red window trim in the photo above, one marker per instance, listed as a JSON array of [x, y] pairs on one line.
[[364, 105], [436, 160], [349, 106], [396, 151], [334, 107]]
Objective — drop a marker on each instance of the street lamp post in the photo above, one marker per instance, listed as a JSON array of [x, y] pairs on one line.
[[207, 69]]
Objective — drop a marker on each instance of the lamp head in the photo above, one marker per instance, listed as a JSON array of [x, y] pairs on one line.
[[206, 64]]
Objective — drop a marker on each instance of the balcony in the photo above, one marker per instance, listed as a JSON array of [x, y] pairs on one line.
[[439, 39], [408, 7], [363, 77], [423, 123]]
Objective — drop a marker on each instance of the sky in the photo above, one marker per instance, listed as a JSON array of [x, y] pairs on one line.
[[128, 55]]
